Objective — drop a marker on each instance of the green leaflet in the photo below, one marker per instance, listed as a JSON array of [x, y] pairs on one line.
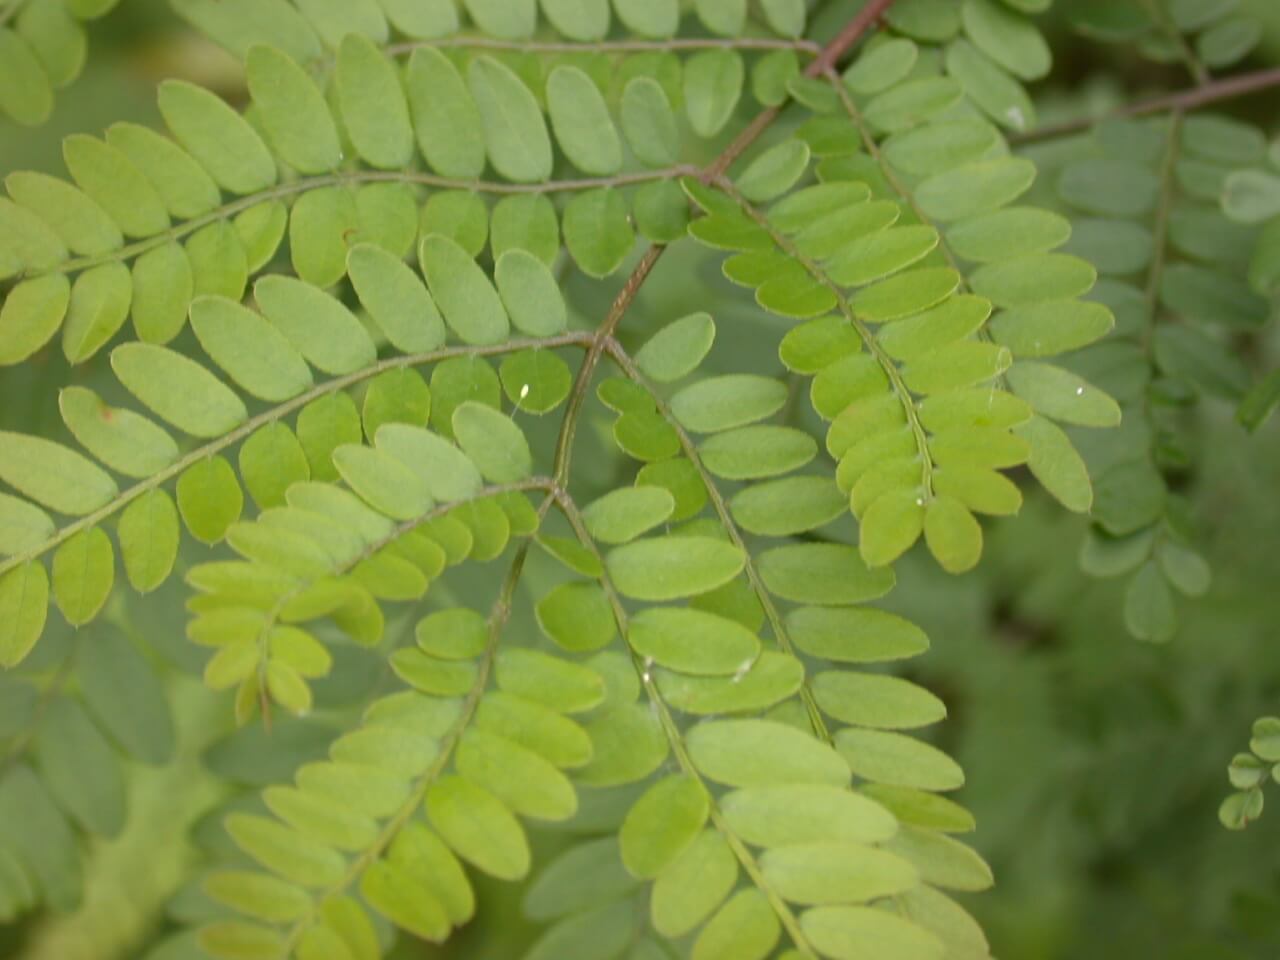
[[53, 475], [824, 574], [178, 390], [692, 641], [163, 285], [123, 440], [712, 85], [558, 684], [665, 568], [255, 354], [648, 122], [375, 112], [384, 482], [99, 304], [149, 535], [493, 442], [80, 223], [271, 461], [577, 617], [109, 177], [220, 140], [582, 123], [625, 514], [324, 331], [855, 635], [677, 349], [515, 133], [24, 604], [22, 525], [789, 815], [209, 498], [519, 777], [183, 185], [32, 313], [694, 885], [834, 873], [463, 292], [662, 824], [396, 299], [396, 396], [597, 231], [747, 753], [25, 94], [83, 574], [844, 933], [478, 827], [449, 473], [446, 119], [733, 400]]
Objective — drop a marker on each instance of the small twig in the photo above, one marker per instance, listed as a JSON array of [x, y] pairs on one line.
[[1229, 88]]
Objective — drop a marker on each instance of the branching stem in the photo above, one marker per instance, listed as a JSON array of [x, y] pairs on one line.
[[271, 416], [1217, 91], [294, 188], [675, 737]]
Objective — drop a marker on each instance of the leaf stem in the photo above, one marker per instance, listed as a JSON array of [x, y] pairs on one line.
[[612, 46], [1216, 91], [350, 178], [721, 507], [675, 737], [276, 413], [499, 614]]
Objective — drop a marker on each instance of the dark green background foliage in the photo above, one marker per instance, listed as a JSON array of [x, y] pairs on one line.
[[605, 636]]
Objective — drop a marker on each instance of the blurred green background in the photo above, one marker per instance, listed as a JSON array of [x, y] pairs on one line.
[[1095, 763]]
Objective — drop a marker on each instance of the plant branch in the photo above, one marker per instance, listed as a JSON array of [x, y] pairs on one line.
[[1216, 91], [886, 363], [276, 413], [721, 507], [612, 46], [675, 737], [351, 178], [852, 32], [499, 614]]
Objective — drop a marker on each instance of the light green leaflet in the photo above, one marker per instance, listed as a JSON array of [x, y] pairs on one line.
[[53, 475], [712, 85], [662, 824], [110, 177], [463, 292], [98, 307], [320, 328], [597, 231], [693, 641], [385, 483], [178, 390], [746, 753], [446, 120], [515, 132], [374, 110], [666, 568], [648, 123], [149, 533], [82, 225], [24, 606], [218, 137], [83, 574], [582, 123], [123, 440], [32, 313], [624, 514], [530, 293], [493, 442], [251, 351]]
